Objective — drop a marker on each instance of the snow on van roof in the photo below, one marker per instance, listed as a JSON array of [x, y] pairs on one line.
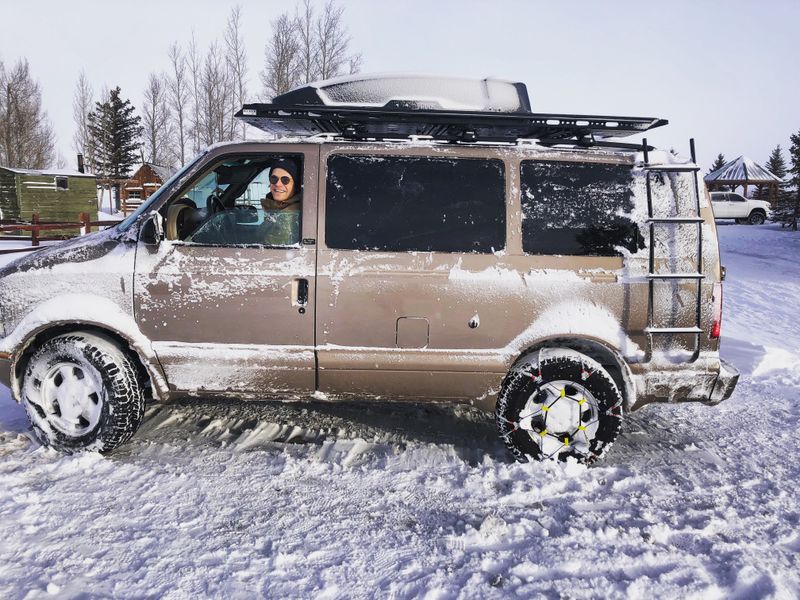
[[406, 90]]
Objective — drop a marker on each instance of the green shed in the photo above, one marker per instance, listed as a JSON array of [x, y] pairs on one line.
[[57, 195]]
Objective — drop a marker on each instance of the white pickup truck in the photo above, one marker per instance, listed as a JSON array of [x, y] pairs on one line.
[[728, 205]]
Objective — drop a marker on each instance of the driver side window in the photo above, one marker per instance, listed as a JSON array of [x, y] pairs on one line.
[[233, 204]]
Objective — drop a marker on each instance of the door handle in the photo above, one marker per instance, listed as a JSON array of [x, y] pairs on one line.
[[301, 292]]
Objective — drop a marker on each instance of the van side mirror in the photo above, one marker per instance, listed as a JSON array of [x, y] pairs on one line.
[[152, 232]]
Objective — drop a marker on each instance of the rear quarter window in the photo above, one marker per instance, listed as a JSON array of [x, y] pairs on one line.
[[431, 204], [576, 208]]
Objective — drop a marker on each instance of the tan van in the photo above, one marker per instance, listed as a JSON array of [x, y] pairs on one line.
[[398, 249]]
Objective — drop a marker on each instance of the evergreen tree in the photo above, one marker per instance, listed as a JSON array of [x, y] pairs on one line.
[[115, 132], [791, 208], [777, 166], [717, 163], [776, 163]]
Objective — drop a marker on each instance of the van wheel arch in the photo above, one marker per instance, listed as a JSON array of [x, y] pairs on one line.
[[42, 336], [609, 358]]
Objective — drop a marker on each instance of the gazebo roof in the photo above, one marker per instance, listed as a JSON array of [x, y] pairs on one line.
[[741, 170]]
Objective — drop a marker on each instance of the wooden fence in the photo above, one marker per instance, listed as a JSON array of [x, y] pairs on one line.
[[36, 226]]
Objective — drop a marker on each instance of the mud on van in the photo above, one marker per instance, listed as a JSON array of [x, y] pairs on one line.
[[444, 243]]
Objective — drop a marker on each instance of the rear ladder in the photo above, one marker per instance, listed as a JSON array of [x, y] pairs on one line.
[[652, 276]]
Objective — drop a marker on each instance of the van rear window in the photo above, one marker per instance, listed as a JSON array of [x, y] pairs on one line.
[[394, 203], [577, 209]]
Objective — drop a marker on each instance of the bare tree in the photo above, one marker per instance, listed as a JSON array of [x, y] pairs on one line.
[[214, 98], [332, 41], [195, 71], [82, 105], [156, 120], [307, 42], [236, 59], [282, 57], [26, 134], [355, 63], [307, 48], [178, 88]]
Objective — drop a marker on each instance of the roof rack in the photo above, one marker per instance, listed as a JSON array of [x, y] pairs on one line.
[[451, 126], [443, 109]]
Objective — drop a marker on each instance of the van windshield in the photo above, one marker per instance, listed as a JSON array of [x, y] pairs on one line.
[[131, 218]]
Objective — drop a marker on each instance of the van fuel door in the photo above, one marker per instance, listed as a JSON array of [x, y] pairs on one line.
[[412, 332]]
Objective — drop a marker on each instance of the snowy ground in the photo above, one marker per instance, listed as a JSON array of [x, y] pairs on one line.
[[287, 500]]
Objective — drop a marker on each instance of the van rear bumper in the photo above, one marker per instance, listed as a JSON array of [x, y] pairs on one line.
[[709, 380], [726, 382]]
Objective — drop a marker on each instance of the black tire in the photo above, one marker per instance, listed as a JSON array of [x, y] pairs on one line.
[[577, 375], [756, 218], [105, 388]]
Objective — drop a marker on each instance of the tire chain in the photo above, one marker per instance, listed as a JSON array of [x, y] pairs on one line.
[[523, 369]]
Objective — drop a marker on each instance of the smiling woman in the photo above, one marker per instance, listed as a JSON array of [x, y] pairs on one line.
[[282, 206]]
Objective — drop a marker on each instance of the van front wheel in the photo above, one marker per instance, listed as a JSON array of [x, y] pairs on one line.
[[556, 404], [82, 392]]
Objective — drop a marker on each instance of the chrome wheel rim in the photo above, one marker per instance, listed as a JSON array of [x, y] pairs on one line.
[[69, 397], [561, 417]]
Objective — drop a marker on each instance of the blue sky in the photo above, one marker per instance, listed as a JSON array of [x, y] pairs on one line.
[[726, 73]]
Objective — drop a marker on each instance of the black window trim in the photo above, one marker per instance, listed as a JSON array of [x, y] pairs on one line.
[[506, 167], [522, 187], [203, 169]]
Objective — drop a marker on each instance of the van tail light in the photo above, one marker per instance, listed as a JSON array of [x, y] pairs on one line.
[[716, 324]]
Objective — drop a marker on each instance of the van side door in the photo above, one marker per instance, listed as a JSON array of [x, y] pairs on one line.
[[405, 236], [227, 302]]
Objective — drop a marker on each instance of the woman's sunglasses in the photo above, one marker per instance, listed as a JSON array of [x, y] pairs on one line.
[[285, 179]]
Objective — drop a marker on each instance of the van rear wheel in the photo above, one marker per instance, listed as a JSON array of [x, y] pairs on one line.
[[558, 403], [82, 392]]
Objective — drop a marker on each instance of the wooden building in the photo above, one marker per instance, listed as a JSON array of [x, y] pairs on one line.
[[56, 195], [142, 184]]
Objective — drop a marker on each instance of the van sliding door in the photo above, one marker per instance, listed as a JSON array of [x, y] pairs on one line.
[[403, 240]]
